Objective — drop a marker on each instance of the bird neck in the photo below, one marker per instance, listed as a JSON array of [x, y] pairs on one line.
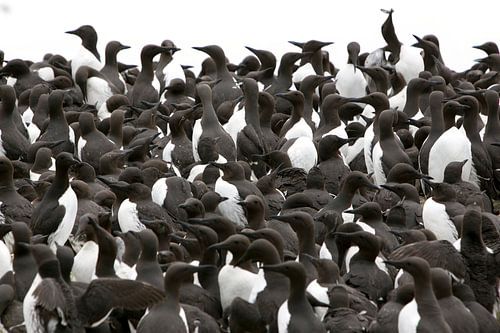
[[470, 125], [298, 110], [256, 220], [307, 244], [317, 62], [367, 253], [147, 72], [252, 116], [209, 116], [298, 291], [424, 296], [265, 116], [331, 117], [222, 71], [110, 61], [61, 178], [91, 45], [437, 124], [7, 185], [493, 123], [172, 294], [411, 106]]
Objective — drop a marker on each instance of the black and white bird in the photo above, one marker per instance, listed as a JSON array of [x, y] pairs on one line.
[[55, 216]]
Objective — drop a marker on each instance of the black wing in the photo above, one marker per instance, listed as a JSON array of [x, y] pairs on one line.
[[46, 218], [49, 295], [438, 253], [112, 293]]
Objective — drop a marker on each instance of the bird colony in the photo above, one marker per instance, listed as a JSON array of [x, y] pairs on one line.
[[273, 195]]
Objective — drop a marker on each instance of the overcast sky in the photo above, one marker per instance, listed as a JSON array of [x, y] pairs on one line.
[[29, 29]]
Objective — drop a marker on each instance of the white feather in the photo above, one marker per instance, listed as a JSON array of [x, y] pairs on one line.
[[2, 149], [156, 84], [160, 131], [98, 91], [348, 256], [28, 116], [259, 285], [81, 144], [369, 135], [354, 150], [33, 132], [347, 217], [299, 129], [408, 318], [338, 131], [235, 124], [379, 261], [34, 176], [61, 235], [302, 154], [302, 72], [195, 171], [235, 282], [167, 152], [196, 280], [375, 58], [124, 271], [437, 220], [198, 169], [321, 294], [315, 119], [410, 62], [84, 58], [230, 208], [350, 82], [368, 112], [378, 170], [5, 259], [72, 136], [366, 227], [182, 314], [284, 317], [396, 279], [197, 131], [120, 248], [85, 261], [52, 164], [353, 250], [32, 320], [103, 112], [399, 100], [324, 253], [174, 70], [11, 81], [45, 73], [159, 191], [128, 218]]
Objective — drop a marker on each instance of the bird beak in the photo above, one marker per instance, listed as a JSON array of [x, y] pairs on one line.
[[72, 32], [373, 186], [394, 263], [217, 165]]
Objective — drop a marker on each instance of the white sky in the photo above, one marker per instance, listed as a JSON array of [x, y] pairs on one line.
[[29, 29]]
